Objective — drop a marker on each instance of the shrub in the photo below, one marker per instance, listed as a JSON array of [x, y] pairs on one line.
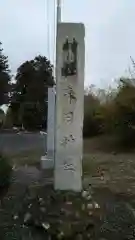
[[113, 114], [125, 115], [5, 171], [92, 116]]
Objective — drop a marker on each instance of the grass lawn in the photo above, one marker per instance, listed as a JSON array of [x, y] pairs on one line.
[[29, 157], [100, 166]]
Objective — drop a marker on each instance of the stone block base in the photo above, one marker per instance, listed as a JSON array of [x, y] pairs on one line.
[[46, 163]]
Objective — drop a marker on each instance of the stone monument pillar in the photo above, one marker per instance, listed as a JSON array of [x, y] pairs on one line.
[[47, 161], [69, 107]]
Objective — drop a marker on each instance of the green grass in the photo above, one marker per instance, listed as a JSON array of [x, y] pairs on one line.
[[89, 164], [30, 158]]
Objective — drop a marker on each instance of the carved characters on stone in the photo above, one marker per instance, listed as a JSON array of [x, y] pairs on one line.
[[69, 165], [67, 139], [68, 117], [70, 93], [69, 67]]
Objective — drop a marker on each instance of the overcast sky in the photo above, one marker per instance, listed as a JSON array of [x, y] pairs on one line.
[[110, 33]]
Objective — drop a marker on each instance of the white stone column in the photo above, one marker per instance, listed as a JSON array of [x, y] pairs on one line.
[[69, 110], [47, 161]]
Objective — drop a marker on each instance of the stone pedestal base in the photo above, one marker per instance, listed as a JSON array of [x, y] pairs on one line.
[[46, 163]]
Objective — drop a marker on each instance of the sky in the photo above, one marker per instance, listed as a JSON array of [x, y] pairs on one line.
[[27, 28]]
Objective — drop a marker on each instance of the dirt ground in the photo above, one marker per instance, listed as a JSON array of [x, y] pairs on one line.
[[112, 180], [108, 168]]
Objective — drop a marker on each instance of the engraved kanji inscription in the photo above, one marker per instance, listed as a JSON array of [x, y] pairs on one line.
[[67, 139], [69, 165], [68, 117], [70, 93], [69, 67]]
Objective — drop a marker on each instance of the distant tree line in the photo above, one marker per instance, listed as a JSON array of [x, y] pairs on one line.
[[27, 96], [105, 112], [113, 114]]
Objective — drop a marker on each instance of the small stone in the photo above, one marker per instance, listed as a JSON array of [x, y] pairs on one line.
[[27, 217], [90, 213], [30, 205], [15, 217], [84, 194], [40, 199], [89, 197], [90, 206], [96, 205], [102, 178], [14, 167], [46, 226]]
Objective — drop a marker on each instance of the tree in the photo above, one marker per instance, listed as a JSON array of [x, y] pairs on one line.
[[2, 117], [8, 123], [29, 94], [4, 78], [92, 115], [124, 116]]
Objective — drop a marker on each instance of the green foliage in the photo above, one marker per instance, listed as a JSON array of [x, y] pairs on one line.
[[30, 93], [92, 116], [5, 171], [2, 118], [32, 116], [4, 78], [125, 114], [8, 123], [114, 116]]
